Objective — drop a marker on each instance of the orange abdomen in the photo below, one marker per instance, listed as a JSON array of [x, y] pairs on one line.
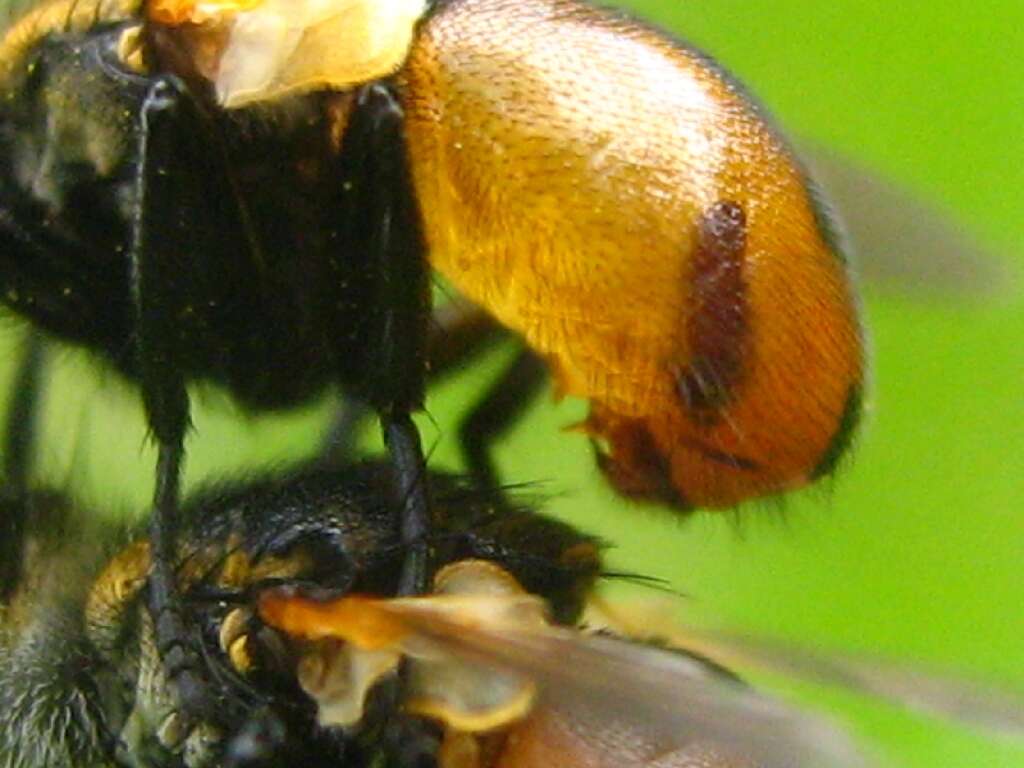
[[610, 195]]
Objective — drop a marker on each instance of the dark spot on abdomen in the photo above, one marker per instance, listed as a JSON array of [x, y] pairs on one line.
[[717, 326]]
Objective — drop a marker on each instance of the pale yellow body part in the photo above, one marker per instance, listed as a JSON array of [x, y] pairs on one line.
[[275, 48]]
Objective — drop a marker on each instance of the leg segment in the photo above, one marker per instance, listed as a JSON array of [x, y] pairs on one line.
[[496, 411], [458, 334], [396, 374], [385, 221], [159, 256]]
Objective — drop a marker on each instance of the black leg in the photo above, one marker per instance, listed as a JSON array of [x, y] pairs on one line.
[[403, 442], [497, 409], [384, 221], [458, 333], [160, 256], [396, 365]]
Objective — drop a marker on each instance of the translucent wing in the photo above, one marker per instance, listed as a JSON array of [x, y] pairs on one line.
[[665, 701], [983, 705], [607, 701], [614, 702], [903, 244]]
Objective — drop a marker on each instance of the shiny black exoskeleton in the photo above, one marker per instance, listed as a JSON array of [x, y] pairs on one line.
[[273, 253]]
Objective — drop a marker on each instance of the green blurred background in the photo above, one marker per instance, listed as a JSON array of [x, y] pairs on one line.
[[915, 550]]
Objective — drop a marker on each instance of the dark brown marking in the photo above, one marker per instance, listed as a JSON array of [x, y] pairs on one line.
[[635, 467], [733, 460], [717, 328]]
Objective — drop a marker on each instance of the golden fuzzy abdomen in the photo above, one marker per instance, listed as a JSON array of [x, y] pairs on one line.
[[609, 195]]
